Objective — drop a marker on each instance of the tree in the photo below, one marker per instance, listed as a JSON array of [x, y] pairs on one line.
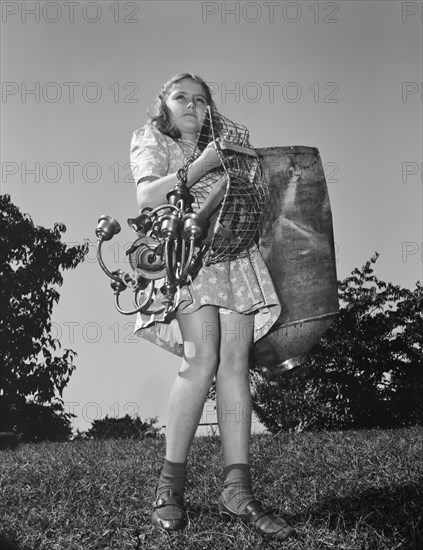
[[366, 371], [30, 269]]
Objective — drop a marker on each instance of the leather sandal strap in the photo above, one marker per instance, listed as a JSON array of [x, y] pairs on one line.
[[255, 510], [168, 498]]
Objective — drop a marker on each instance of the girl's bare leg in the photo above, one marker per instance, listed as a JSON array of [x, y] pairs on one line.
[[232, 387], [234, 416], [200, 331]]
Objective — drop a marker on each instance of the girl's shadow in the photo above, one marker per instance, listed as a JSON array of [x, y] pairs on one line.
[[387, 511]]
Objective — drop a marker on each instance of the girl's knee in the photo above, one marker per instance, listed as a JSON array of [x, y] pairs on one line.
[[235, 362]]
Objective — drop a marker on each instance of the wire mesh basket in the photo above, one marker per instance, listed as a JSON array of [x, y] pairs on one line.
[[232, 196]]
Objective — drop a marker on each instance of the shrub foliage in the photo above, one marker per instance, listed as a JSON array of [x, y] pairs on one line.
[[126, 427], [36, 423], [30, 268], [366, 371]]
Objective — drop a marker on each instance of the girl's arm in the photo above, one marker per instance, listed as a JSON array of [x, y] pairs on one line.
[[152, 191]]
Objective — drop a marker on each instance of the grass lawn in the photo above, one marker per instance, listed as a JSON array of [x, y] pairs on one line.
[[358, 490]]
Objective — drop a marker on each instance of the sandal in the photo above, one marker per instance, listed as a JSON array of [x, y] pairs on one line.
[[170, 520], [262, 519]]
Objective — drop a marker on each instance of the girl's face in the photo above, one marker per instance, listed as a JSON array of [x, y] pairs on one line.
[[187, 105]]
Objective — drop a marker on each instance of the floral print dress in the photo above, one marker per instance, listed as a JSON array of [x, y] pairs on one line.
[[243, 285]]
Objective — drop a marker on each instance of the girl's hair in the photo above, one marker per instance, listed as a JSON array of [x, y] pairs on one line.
[[161, 118]]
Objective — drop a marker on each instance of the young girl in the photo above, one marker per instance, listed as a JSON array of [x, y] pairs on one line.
[[218, 316]]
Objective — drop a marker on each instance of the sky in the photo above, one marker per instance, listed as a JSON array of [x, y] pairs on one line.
[[78, 79]]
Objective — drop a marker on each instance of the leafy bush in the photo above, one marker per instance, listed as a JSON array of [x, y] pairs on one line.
[[365, 372], [123, 428], [34, 422], [31, 266], [32, 375]]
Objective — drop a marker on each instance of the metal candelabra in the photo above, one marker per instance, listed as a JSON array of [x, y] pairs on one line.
[[167, 251]]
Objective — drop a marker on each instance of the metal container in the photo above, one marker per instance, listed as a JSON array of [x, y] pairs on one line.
[[296, 241]]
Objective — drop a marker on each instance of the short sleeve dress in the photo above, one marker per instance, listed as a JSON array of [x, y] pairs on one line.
[[243, 285]]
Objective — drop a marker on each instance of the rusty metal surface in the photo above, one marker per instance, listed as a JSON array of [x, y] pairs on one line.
[[296, 241]]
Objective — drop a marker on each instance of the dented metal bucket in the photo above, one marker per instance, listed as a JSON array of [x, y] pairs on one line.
[[296, 241]]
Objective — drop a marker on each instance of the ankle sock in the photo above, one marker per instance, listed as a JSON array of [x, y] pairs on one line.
[[172, 477], [237, 491]]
